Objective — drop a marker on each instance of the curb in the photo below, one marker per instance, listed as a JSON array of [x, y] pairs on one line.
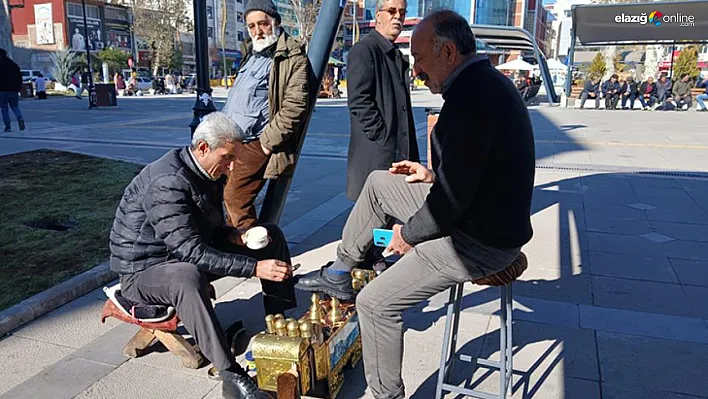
[[48, 300]]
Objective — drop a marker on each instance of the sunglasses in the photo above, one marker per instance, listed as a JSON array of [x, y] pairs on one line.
[[394, 10]]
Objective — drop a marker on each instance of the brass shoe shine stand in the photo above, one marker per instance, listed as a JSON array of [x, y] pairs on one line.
[[318, 346]]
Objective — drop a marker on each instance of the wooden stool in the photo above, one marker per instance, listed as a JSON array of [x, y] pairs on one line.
[[502, 279], [165, 332]]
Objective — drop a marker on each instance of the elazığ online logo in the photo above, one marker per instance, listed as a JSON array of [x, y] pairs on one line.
[[657, 18]]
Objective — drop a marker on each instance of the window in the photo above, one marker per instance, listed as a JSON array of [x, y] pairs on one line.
[[210, 13], [116, 14], [75, 10], [568, 13], [239, 16], [239, 1], [240, 36], [210, 31]]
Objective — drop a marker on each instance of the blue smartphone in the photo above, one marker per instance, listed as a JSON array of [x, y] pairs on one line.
[[382, 237]]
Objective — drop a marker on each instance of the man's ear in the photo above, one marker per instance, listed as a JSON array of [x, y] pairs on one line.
[[202, 147]]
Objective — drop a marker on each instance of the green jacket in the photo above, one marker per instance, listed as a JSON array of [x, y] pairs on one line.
[[287, 103]]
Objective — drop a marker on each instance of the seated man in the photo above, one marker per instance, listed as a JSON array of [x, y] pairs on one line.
[[165, 236], [611, 92], [681, 93], [466, 218], [701, 98], [591, 90], [629, 92], [647, 93]]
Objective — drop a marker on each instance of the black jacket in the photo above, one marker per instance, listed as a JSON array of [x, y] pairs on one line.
[[172, 211], [643, 89], [591, 88], [608, 85], [484, 161], [10, 76], [628, 88], [382, 127]]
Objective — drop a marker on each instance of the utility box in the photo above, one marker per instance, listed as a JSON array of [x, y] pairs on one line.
[[106, 95]]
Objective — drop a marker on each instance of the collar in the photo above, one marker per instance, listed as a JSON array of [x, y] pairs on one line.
[[385, 45], [450, 79], [199, 166]]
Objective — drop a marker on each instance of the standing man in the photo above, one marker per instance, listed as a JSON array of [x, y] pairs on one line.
[[268, 102], [382, 127], [10, 86], [466, 218]]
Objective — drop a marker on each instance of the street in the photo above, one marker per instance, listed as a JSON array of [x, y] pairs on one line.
[[613, 304]]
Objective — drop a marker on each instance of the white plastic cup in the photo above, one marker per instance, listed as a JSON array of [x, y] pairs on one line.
[[257, 238]]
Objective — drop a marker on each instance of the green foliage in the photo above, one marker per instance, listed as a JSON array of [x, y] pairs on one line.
[[176, 61], [597, 67], [64, 65], [116, 59], [687, 63]]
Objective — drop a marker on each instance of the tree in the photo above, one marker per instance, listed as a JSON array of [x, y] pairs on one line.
[[158, 22], [64, 65], [598, 66], [116, 59], [687, 63], [306, 16]]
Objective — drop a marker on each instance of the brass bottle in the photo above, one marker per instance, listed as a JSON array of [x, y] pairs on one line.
[[281, 327], [335, 314], [270, 324], [293, 330]]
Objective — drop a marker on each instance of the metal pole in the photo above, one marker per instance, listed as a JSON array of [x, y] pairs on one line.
[[571, 54], [223, 39], [92, 88], [320, 46], [204, 104], [671, 66]]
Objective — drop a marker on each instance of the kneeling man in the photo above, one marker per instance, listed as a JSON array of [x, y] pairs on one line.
[[466, 218], [166, 237]]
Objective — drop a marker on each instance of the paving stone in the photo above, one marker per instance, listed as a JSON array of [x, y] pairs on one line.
[[641, 206], [698, 297], [682, 231], [652, 364], [691, 272], [691, 250], [108, 348], [72, 325], [688, 329], [65, 379], [636, 267], [544, 284], [683, 214], [621, 391], [554, 349], [618, 226], [25, 355], [623, 244], [656, 237], [642, 296], [148, 382]]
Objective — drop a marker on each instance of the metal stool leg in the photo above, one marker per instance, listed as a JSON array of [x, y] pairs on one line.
[[455, 330], [503, 360], [509, 337], [446, 354]]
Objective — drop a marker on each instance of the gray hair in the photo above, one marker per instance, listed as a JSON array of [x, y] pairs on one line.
[[380, 3], [217, 129], [451, 26]]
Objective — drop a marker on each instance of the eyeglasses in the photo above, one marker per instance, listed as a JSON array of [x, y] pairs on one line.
[[394, 10]]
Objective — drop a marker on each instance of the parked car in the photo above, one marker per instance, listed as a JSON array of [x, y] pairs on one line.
[[144, 84], [28, 74]]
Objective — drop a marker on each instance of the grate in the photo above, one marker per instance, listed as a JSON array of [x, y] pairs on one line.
[[624, 170]]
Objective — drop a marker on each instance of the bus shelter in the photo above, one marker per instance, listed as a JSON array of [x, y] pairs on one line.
[[683, 22]]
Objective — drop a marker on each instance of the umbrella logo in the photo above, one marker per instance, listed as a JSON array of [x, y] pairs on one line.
[[655, 17]]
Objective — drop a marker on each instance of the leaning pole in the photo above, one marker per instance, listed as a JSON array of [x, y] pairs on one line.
[[318, 55]]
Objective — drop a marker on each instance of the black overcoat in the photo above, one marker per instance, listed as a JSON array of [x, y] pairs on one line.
[[382, 127]]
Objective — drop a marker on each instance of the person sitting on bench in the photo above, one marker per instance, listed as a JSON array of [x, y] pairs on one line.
[[168, 238], [466, 218]]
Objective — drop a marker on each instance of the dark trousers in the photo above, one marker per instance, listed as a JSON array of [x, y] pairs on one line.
[[185, 287], [647, 102], [611, 100], [685, 100], [243, 185], [632, 97], [585, 95]]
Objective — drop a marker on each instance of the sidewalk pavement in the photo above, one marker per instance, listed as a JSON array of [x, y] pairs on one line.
[[613, 304]]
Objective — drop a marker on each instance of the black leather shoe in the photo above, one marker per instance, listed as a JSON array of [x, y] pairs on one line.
[[319, 281], [237, 386]]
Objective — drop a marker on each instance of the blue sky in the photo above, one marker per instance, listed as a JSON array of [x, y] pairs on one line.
[[548, 1]]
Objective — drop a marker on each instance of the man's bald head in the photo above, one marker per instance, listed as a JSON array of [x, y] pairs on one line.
[[440, 43]]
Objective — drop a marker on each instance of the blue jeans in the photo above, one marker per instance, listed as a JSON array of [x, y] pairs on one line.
[[13, 100], [700, 99]]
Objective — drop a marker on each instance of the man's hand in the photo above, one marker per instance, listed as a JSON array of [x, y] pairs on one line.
[[397, 245], [265, 150], [273, 270], [415, 171]]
